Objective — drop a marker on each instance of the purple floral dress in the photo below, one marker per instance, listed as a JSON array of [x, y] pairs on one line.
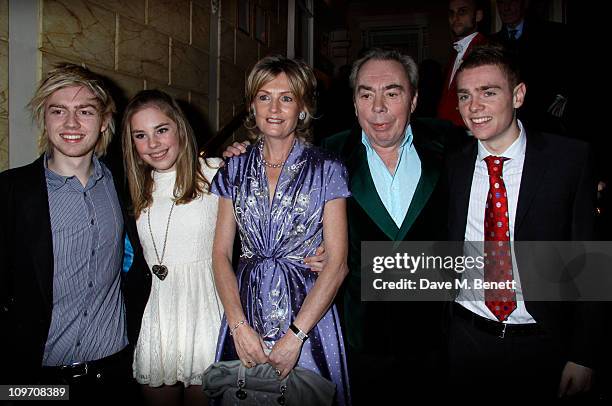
[[275, 238]]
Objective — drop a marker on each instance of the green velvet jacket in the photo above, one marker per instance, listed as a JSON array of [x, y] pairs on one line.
[[384, 327]]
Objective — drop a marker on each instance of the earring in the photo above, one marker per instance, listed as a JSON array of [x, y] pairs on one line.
[[302, 115]]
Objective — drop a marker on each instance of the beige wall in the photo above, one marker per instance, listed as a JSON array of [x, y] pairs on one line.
[[137, 44], [4, 159], [239, 51], [144, 44]]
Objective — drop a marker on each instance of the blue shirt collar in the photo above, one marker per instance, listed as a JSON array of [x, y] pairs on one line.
[[518, 29], [56, 181]]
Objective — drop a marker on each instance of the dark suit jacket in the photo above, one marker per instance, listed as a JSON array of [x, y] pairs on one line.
[[555, 203], [447, 108], [26, 273], [388, 328]]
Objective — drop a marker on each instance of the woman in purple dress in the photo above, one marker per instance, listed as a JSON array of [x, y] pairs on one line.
[[285, 196]]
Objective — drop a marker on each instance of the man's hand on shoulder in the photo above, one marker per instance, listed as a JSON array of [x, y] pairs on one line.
[[237, 148]]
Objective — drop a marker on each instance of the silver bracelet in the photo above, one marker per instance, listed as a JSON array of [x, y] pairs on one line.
[[240, 323]]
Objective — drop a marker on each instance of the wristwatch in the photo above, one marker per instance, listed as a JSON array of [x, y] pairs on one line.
[[298, 333]]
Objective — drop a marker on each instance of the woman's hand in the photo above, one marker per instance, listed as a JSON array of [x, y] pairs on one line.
[[249, 346], [285, 354]]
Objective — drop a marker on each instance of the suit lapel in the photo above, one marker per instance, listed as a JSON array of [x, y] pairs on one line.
[[461, 185], [362, 186], [364, 192], [430, 173], [37, 204], [534, 168]]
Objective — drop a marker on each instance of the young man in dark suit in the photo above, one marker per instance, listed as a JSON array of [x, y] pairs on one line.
[[63, 313], [513, 184]]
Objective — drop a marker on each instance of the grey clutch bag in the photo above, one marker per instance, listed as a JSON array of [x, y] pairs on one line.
[[230, 383]]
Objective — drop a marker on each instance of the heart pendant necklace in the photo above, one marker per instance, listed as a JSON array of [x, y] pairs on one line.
[[160, 270]]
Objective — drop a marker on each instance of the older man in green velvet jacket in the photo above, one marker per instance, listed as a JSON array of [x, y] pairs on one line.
[[395, 167]]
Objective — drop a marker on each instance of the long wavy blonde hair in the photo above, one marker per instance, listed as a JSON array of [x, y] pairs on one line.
[[190, 181]]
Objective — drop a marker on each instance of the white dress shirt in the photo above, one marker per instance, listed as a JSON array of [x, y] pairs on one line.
[[473, 300]]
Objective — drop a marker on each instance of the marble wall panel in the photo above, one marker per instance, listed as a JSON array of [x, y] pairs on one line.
[[143, 51], [4, 59], [189, 67], [246, 50], [228, 10], [201, 27], [133, 9], [79, 29], [3, 19], [171, 17], [178, 94], [226, 113], [226, 50], [197, 114], [231, 83]]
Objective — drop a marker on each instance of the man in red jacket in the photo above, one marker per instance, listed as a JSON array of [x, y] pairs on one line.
[[463, 19]]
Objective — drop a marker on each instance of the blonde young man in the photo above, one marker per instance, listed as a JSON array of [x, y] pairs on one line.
[[61, 231]]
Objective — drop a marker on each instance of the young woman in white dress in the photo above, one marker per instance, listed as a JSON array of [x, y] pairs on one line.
[[175, 216]]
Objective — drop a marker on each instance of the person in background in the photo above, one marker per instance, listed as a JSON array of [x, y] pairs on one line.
[[463, 19], [540, 48]]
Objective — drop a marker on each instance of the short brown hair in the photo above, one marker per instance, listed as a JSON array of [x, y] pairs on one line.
[[493, 54], [302, 83], [68, 75]]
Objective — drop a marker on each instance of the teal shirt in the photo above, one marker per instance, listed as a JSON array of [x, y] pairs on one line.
[[395, 191]]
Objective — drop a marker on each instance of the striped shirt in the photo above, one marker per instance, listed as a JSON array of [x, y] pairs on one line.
[[88, 318]]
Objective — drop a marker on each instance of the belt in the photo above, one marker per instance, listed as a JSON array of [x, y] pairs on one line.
[[81, 370], [496, 328]]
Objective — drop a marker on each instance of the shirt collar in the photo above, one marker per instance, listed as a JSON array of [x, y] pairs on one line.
[[56, 181], [461, 45], [518, 29], [406, 141], [515, 150]]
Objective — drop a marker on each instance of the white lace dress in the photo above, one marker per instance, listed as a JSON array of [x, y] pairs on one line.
[[180, 325]]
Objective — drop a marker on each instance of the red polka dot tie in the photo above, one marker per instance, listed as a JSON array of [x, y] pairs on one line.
[[498, 261]]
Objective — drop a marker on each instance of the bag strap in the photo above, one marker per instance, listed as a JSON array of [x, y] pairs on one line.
[[241, 379]]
